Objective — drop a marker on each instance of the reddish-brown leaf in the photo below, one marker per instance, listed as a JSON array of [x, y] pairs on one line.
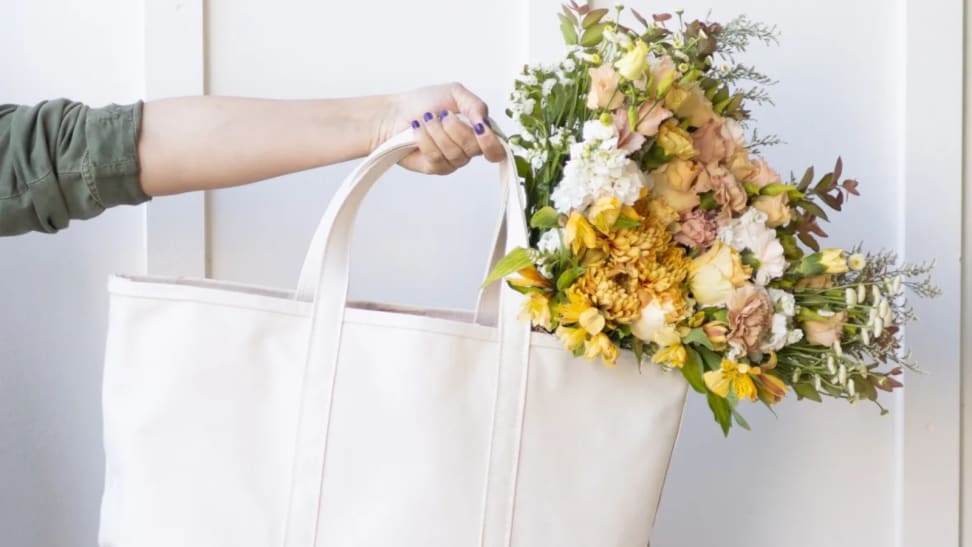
[[661, 17], [815, 228], [809, 241], [851, 186]]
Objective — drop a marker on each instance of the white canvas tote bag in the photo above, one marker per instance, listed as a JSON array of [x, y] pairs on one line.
[[248, 417]]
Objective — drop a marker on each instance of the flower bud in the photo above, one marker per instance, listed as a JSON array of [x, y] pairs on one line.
[[850, 297], [831, 367], [842, 374], [896, 285], [878, 327], [875, 294], [851, 388], [838, 349], [866, 336], [861, 293], [817, 383], [883, 307], [796, 375]]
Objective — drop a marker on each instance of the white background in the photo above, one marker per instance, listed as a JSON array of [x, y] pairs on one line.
[[876, 81]]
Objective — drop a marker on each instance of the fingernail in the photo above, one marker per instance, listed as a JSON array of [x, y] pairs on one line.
[[479, 129], [486, 122], [415, 124], [428, 116], [443, 114]]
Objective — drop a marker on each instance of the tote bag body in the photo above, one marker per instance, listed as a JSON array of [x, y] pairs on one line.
[[254, 417]]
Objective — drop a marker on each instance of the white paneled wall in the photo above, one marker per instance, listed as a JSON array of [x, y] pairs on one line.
[[850, 84], [52, 323]]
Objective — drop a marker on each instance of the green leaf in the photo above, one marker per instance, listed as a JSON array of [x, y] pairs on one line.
[[592, 36], [692, 370], [697, 336], [545, 218], [708, 201], [594, 17], [806, 390], [567, 278], [826, 183], [625, 222], [721, 412], [807, 179], [711, 359], [638, 347], [812, 208], [568, 30], [523, 167], [740, 420], [518, 259]]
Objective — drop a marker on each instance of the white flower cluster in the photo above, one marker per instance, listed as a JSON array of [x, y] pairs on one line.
[[597, 169], [750, 232], [781, 334]]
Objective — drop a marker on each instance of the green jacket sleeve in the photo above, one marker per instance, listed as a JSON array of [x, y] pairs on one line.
[[61, 160]]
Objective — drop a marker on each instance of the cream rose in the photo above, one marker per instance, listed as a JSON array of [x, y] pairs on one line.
[[714, 275]]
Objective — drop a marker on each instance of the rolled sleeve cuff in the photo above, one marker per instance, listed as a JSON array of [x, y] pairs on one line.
[[110, 168]]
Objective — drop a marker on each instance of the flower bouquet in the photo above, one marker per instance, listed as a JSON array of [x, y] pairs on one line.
[[657, 229]]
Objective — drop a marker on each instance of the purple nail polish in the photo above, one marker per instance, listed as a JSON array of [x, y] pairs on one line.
[[415, 124], [443, 114], [479, 129], [428, 116], [486, 123]]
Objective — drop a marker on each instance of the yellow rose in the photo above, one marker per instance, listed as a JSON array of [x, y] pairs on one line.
[[714, 275], [776, 208], [741, 166], [690, 103], [604, 89], [604, 213], [632, 65], [675, 141]]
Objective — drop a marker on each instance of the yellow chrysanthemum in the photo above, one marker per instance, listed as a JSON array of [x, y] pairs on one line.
[[638, 266]]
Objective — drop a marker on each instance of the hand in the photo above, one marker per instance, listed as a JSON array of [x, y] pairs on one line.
[[445, 142]]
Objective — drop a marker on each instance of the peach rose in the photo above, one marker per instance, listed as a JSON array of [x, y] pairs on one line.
[[604, 86], [750, 317], [728, 192], [650, 117], [733, 136], [709, 142], [825, 332], [776, 208], [763, 174]]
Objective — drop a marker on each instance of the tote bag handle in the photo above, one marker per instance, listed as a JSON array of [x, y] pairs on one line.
[[324, 279]]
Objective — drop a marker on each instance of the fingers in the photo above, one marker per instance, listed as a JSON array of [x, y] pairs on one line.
[[478, 114], [451, 150], [428, 158]]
